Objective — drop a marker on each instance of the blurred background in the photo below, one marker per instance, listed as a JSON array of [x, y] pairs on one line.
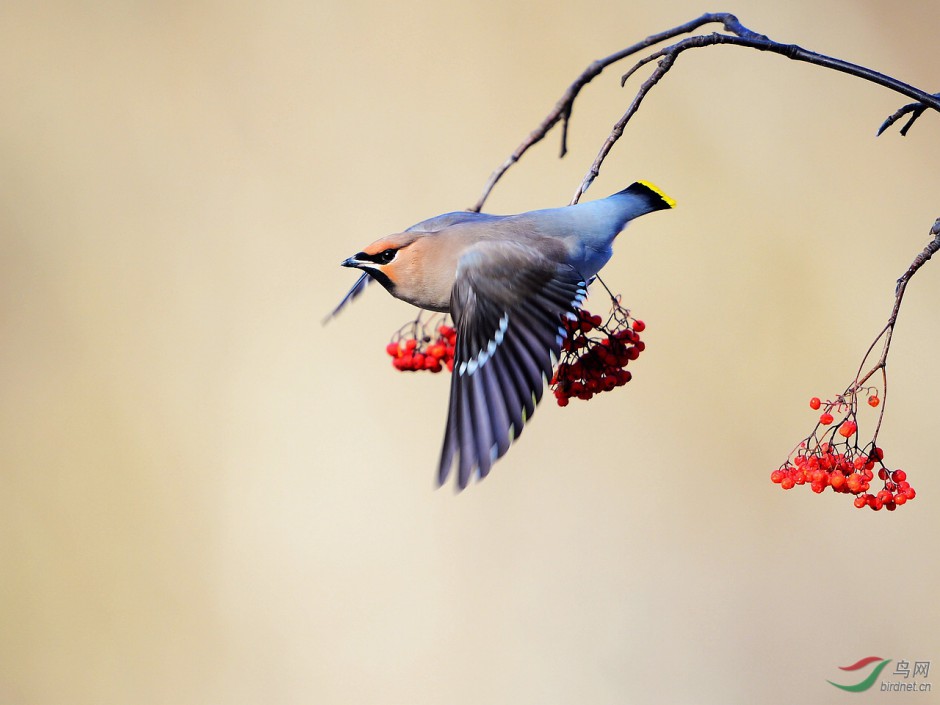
[[208, 497]]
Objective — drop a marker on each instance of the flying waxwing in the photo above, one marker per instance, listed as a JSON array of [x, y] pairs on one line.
[[507, 281]]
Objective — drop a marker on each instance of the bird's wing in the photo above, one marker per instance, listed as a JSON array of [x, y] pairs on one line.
[[445, 220], [357, 288], [507, 303]]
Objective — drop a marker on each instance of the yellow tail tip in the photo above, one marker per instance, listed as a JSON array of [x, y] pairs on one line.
[[671, 202]]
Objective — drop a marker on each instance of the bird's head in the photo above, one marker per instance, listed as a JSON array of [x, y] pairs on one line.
[[403, 264]]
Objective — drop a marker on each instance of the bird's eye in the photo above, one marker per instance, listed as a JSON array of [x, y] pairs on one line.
[[386, 256]]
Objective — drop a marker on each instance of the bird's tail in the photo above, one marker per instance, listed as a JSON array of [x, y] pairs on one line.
[[652, 196]]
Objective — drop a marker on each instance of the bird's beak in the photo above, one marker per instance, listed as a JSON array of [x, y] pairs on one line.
[[350, 262]]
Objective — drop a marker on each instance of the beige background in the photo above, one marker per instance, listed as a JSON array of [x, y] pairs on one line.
[[207, 497]]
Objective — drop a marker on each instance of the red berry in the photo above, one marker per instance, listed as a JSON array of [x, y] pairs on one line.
[[777, 476], [639, 326], [847, 429], [873, 400], [787, 483], [825, 419], [899, 475], [814, 403]]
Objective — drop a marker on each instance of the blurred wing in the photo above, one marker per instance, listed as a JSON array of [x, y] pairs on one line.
[[357, 288], [507, 304]]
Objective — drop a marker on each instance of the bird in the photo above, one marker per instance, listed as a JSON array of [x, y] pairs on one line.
[[507, 281]]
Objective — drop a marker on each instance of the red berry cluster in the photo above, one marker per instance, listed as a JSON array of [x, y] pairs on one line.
[[423, 349], [846, 473], [831, 457], [595, 354]]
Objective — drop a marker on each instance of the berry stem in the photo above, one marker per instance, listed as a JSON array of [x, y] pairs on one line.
[[613, 297], [886, 333]]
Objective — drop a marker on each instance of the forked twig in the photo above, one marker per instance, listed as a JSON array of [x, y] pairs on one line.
[[735, 34], [562, 110], [919, 261], [886, 334], [914, 109]]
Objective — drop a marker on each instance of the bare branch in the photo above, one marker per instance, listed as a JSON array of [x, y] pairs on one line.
[[746, 38], [563, 108], [664, 65], [735, 34], [919, 261], [888, 331]]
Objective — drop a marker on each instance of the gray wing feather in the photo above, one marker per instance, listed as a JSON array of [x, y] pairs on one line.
[[507, 304], [439, 222]]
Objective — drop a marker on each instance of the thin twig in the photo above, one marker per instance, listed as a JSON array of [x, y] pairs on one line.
[[915, 109], [563, 108], [888, 331], [746, 38], [664, 65], [597, 278], [737, 35]]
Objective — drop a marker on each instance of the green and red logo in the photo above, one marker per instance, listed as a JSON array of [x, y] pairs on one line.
[[869, 680]]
